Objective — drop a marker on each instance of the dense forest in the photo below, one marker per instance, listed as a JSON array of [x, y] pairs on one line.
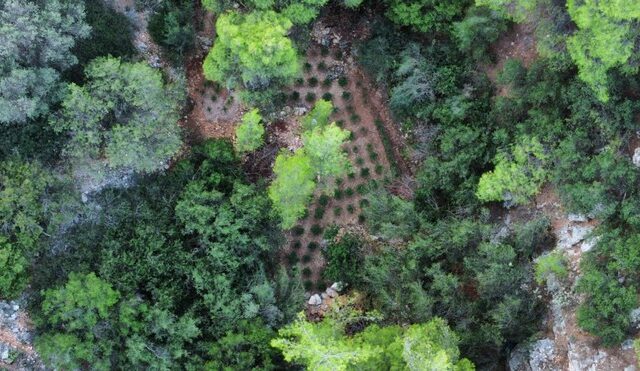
[[319, 184]]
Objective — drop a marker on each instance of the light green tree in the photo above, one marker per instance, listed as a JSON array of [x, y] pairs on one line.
[[297, 11], [13, 270], [323, 146], [515, 9], [325, 346], [318, 116], [250, 132], [36, 37], [607, 33], [123, 116], [252, 50], [517, 176], [292, 187], [425, 15]]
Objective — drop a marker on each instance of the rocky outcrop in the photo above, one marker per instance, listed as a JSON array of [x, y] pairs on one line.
[[16, 350]]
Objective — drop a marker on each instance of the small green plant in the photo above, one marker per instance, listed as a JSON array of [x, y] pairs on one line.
[[296, 245], [359, 161], [306, 258], [327, 96], [379, 169], [324, 199], [338, 54], [337, 194], [352, 136], [307, 67], [351, 209], [546, 265], [355, 118], [298, 230], [337, 211], [362, 218], [348, 192], [313, 82], [295, 96], [351, 175], [322, 66], [312, 246], [373, 156], [321, 286], [364, 131], [327, 82], [339, 181], [299, 81], [340, 123], [316, 230], [308, 285], [364, 172], [355, 149], [324, 51], [214, 98], [306, 272], [364, 203], [342, 81], [350, 109], [318, 213], [310, 97], [292, 258], [361, 189], [346, 95]]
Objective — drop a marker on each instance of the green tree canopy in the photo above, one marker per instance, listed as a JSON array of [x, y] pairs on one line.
[[252, 50], [124, 116], [36, 38], [517, 176], [318, 116], [297, 11], [323, 146], [293, 186], [250, 132], [425, 15]]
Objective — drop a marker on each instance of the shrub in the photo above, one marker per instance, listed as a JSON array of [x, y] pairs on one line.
[[296, 245], [344, 260], [351, 209], [355, 149], [327, 96], [295, 96], [316, 230], [346, 95], [306, 272], [321, 286], [352, 136], [342, 81], [337, 194], [299, 81], [348, 192], [361, 189], [339, 181], [363, 131], [307, 67], [298, 230], [364, 172], [546, 265], [310, 97], [379, 169], [340, 123], [351, 175], [324, 51], [292, 258], [361, 218], [308, 285], [322, 66], [327, 82], [338, 54], [306, 258], [312, 246], [355, 118], [359, 161], [337, 211], [323, 200], [313, 82], [373, 156], [350, 109], [318, 213]]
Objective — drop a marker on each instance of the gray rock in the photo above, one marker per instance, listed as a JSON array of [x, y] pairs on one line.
[[570, 236], [299, 111], [577, 218], [542, 355], [331, 292], [315, 299], [635, 318], [324, 296], [636, 157], [338, 286], [519, 359], [627, 344], [588, 244]]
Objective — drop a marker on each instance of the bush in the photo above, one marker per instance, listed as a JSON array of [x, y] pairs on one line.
[[359, 161], [338, 54], [364, 172], [299, 82], [340, 123], [308, 285], [292, 258], [298, 230], [307, 67], [312, 246], [346, 95], [322, 66], [351, 175], [327, 96], [296, 245], [295, 96], [351, 209], [339, 181], [337, 194], [364, 203], [306, 272], [324, 51], [362, 189], [361, 218], [342, 81], [306, 258], [172, 27], [379, 169], [323, 200], [546, 265], [355, 118], [355, 149], [318, 213], [313, 82], [337, 211], [344, 260], [316, 230], [310, 97], [327, 82], [348, 192], [373, 156]]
